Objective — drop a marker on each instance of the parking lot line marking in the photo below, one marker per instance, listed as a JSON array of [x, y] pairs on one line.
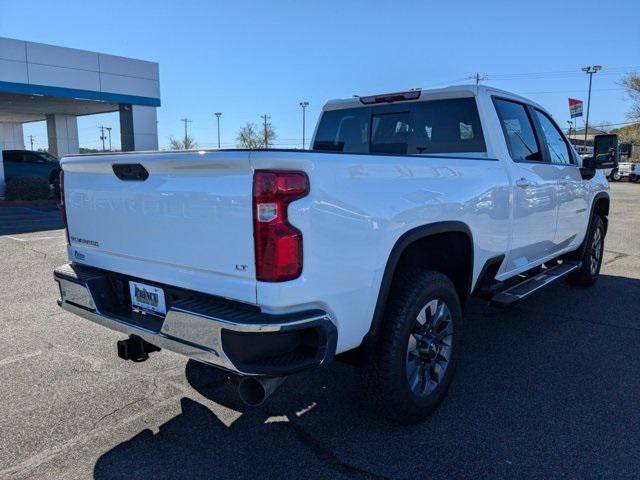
[[32, 239], [18, 358]]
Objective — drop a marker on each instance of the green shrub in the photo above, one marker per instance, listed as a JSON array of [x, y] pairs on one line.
[[27, 188]]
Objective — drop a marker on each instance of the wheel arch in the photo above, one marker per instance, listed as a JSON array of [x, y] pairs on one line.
[[415, 238], [599, 206]]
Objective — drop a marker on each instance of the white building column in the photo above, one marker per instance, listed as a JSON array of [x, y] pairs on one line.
[[11, 138], [62, 133], [138, 127]]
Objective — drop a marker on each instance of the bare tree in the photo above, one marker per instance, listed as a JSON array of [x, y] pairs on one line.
[[250, 136], [187, 143], [632, 83]]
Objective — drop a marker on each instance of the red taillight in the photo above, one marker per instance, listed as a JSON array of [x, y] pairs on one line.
[[63, 208], [278, 244]]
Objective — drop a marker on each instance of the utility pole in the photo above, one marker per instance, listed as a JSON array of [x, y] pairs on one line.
[[186, 136], [266, 118], [478, 78], [589, 70], [31, 141], [217, 114], [102, 137], [109, 131], [304, 106], [570, 122]]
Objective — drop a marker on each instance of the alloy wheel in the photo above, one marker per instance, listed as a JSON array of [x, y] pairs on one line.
[[596, 251], [429, 348]]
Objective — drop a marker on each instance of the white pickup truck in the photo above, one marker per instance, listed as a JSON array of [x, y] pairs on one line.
[[366, 248]]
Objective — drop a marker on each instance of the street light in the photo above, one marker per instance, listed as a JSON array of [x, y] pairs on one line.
[[218, 114], [589, 70], [304, 106]]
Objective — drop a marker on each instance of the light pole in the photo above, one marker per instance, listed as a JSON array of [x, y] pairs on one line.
[[570, 122], [217, 114], [304, 106], [589, 70]]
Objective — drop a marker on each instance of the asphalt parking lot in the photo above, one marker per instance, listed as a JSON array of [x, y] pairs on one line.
[[548, 389]]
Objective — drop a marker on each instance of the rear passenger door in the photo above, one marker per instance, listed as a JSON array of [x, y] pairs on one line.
[[535, 201], [572, 192]]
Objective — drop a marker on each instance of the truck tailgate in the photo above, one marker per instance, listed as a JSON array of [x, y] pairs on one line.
[[189, 224]]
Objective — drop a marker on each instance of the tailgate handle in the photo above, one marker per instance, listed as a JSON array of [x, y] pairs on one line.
[[130, 171]]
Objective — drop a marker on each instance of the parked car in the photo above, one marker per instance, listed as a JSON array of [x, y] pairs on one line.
[[28, 163], [626, 169], [364, 249]]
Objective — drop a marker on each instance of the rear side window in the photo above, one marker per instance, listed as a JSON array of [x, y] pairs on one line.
[[447, 126], [518, 131], [429, 127], [344, 131], [11, 156]]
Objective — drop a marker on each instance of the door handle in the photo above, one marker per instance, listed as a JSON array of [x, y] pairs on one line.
[[525, 183]]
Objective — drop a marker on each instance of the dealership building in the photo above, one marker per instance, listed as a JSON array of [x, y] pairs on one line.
[[54, 84]]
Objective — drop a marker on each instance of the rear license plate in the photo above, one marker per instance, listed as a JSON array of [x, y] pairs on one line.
[[148, 298]]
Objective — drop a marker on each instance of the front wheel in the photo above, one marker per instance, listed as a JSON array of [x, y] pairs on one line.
[[417, 349], [592, 254], [615, 176]]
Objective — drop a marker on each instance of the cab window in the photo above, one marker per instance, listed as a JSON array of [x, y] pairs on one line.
[[418, 128], [557, 145]]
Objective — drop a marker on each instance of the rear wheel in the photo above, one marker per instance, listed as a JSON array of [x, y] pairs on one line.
[[592, 254], [418, 347]]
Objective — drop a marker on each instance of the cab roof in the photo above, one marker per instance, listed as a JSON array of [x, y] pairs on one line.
[[455, 91]]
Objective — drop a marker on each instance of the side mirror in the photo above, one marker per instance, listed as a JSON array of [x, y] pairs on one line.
[[605, 152]]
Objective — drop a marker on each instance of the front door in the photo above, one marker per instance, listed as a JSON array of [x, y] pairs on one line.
[[572, 190]]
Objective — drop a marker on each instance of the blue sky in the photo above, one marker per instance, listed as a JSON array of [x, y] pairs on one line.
[[246, 58]]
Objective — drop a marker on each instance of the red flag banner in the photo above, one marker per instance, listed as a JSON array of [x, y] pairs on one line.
[[575, 107]]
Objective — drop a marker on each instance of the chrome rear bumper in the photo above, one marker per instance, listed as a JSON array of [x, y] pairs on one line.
[[256, 343]]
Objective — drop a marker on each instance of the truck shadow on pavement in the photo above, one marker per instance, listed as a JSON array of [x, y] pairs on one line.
[[29, 219], [540, 391]]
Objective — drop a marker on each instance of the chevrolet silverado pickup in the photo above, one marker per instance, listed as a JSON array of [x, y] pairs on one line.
[[364, 248]]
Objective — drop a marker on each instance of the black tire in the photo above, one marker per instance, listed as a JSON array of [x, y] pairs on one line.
[[387, 375], [592, 255], [615, 176]]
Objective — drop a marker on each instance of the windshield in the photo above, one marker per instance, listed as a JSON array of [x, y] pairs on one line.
[[428, 127], [48, 157]]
